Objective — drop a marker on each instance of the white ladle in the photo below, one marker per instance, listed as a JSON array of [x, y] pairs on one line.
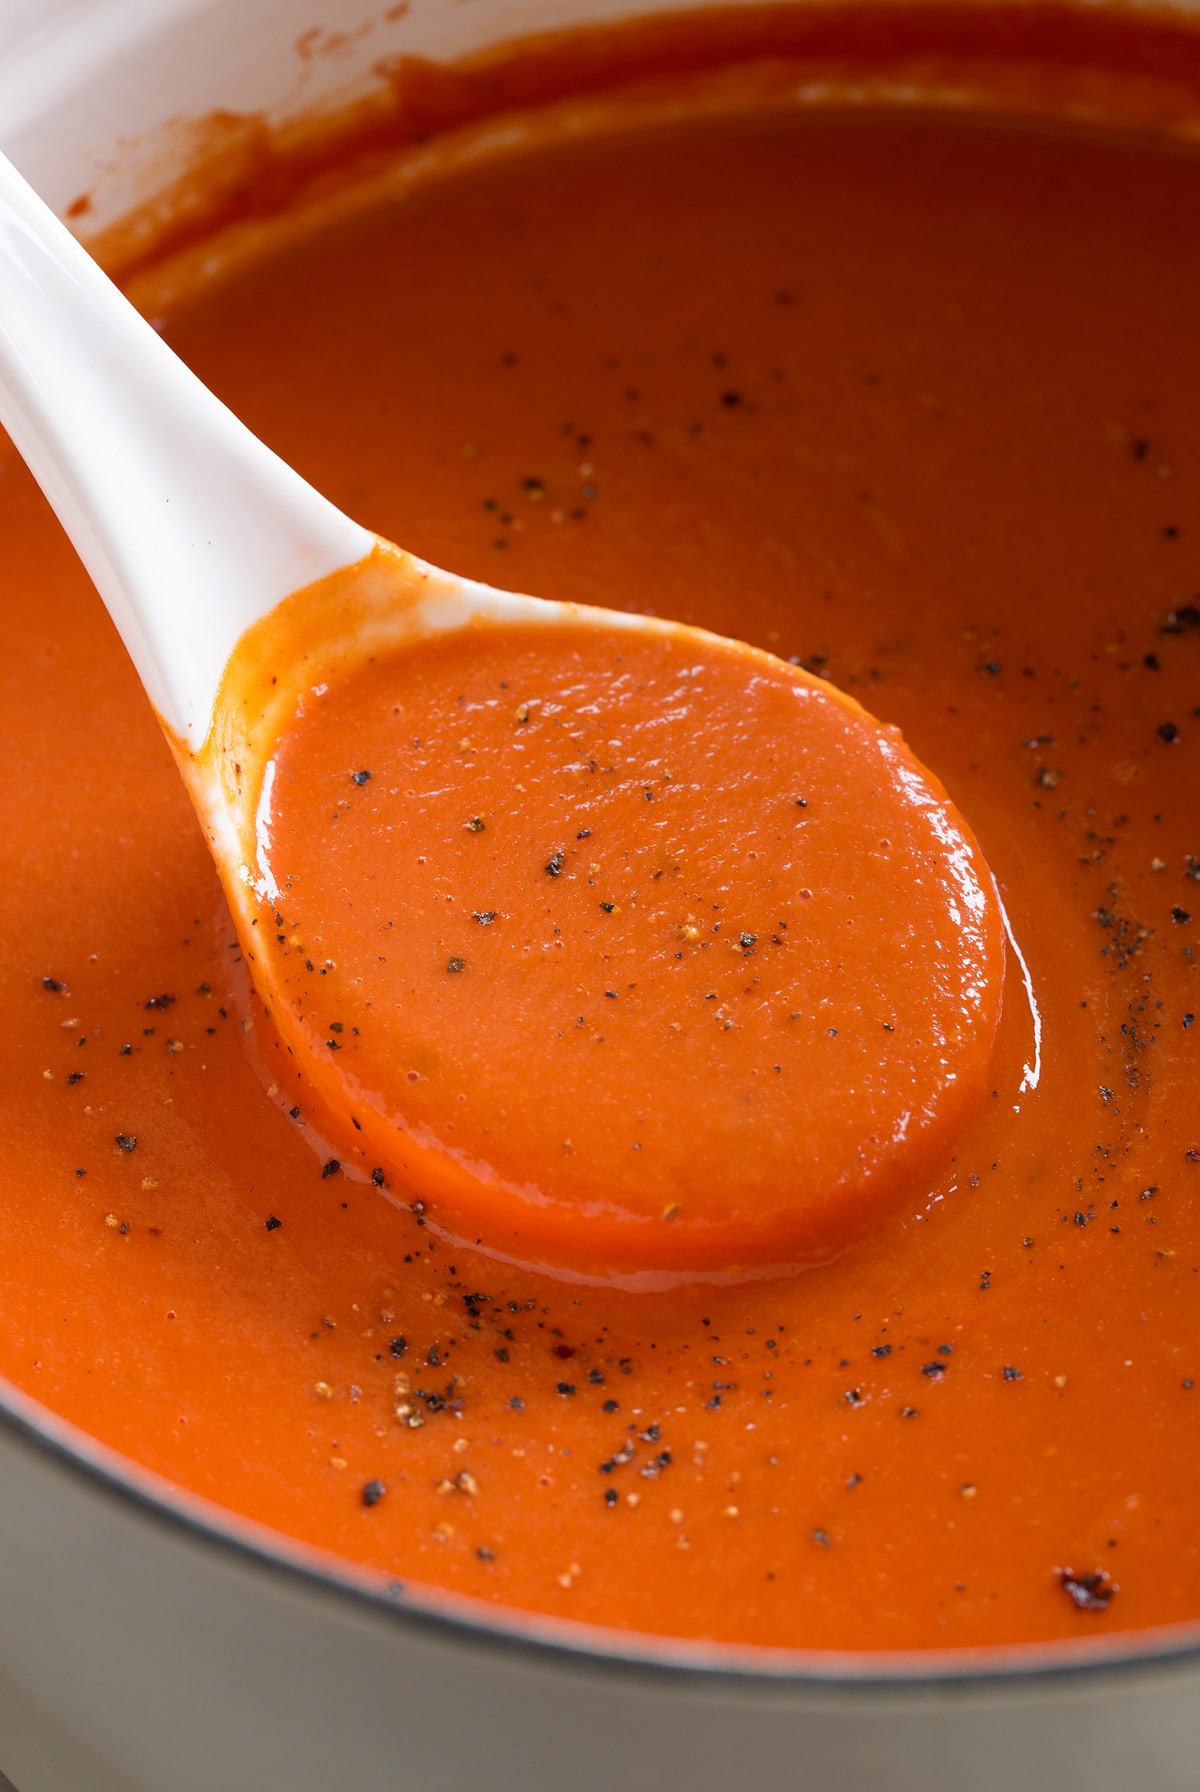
[[198, 538]]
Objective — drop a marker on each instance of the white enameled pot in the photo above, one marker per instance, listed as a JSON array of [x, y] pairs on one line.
[[151, 1644]]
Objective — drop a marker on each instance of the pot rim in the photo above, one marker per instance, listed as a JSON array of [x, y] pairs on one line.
[[570, 1644]]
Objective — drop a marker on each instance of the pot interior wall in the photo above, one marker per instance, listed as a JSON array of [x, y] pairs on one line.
[[106, 96]]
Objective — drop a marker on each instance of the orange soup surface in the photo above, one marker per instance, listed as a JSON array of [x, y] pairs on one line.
[[909, 396]]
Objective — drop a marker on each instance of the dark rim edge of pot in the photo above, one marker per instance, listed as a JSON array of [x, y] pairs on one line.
[[568, 1643]]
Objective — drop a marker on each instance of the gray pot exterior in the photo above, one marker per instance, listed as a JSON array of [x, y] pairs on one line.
[[140, 1654]]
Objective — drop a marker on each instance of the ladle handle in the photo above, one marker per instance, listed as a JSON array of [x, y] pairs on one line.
[[189, 526]]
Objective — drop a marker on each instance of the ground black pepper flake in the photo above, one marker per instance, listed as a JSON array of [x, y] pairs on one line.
[[934, 1371], [372, 1493], [377, 1177], [555, 863], [272, 1224], [330, 1168], [126, 1141], [1180, 916], [611, 1496], [455, 965], [76, 1076], [475, 825], [565, 1388], [910, 1412], [881, 1350], [55, 985], [1089, 1592], [485, 917], [1168, 732], [1011, 1373], [610, 1406], [822, 1539], [160, 1002], [360, 778]]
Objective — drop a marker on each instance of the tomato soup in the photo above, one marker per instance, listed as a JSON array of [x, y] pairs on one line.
[[907, 392]]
